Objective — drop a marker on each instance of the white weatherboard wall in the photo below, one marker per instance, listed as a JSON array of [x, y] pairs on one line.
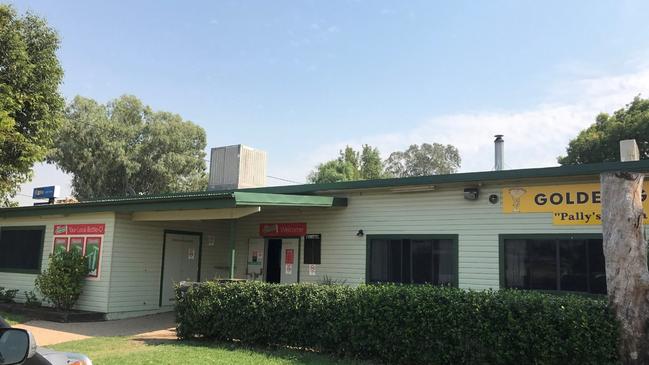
[[444, 211], [95, 292], [131, 259], [137, 263]]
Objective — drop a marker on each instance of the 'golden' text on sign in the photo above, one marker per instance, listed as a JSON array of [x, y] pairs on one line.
[[569, 204]]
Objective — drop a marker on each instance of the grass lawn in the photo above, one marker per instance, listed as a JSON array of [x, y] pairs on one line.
[[127, 351], [13, 319]]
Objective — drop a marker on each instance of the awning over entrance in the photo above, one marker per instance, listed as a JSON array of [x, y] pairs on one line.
[[236, 205], [194, 206]]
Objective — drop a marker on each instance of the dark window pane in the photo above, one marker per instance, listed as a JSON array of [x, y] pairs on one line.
[[573, 265], [541, 264], [515, 263], [21, 248], [385, 264], [379, 261], [406, 262], [531, 264], [395, 268], [422, 261], [597, 273], [444, 262], [412, 261], [312, 246]]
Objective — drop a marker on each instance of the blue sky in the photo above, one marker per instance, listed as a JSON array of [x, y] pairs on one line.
[[300, 79]]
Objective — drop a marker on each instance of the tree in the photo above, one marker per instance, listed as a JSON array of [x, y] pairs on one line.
[[126, 148], [625, 253], [30, 104], [600, 141], [371, 163], [349, 166], [428, 159]]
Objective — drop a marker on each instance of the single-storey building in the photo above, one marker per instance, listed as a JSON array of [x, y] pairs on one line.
[[529, 228]]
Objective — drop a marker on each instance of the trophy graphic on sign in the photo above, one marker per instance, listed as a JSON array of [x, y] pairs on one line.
[[516, 194]]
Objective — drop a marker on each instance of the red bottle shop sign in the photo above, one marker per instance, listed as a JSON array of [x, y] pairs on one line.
[[282, 229], [79, 229]]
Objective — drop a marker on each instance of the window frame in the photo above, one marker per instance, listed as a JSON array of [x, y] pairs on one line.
[[40, 252], [455, 252], [547, 236]]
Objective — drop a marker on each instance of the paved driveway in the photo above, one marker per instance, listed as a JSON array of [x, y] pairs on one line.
[[157, 326]]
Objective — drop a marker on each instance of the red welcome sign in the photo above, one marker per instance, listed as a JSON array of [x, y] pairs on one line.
[[79, 229], [282, 229]]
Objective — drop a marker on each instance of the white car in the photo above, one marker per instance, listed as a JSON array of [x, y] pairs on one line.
[[18, 347]]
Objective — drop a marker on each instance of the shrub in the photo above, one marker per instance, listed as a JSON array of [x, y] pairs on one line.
[[31, 299], [7, 295], [62, 282], [404, 324]]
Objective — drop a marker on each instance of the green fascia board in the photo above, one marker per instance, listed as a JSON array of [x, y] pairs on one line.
[[466, 177], [126, 205]]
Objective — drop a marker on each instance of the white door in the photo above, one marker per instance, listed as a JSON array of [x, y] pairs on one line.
[[180, 263], [290, 260]]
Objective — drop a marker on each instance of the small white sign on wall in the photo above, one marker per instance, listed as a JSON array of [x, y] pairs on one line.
[[289, 269], [312, 270]]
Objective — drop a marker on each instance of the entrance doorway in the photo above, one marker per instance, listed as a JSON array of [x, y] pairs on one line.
[[180, 262], [282, 260], [274, 261]]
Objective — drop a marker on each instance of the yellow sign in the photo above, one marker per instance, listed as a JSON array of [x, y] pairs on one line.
[[569, 204]]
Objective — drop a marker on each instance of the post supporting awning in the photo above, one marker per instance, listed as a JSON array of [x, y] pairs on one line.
[[233, 245]]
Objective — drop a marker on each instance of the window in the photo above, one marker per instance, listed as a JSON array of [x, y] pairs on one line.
[[412, 259], [312, 243], [561, 263], [21, 248]]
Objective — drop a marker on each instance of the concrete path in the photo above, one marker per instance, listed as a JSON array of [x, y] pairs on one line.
[[154, 327]]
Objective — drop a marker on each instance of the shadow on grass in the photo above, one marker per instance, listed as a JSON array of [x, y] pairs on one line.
[[14, 319], [306, 356]]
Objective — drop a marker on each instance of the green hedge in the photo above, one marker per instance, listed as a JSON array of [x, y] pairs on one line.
[[402, 324]]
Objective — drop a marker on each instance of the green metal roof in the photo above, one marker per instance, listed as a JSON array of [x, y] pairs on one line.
[[303, 195], [467, 177], [203, 200]]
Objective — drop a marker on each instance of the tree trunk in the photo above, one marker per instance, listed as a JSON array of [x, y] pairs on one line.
[[625, 251]]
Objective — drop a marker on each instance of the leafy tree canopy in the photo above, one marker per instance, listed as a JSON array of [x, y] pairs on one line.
[[125, 148], [427, 159], [417, 160], [30, 104], [350, 165], [601, 141], [371, 164]]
